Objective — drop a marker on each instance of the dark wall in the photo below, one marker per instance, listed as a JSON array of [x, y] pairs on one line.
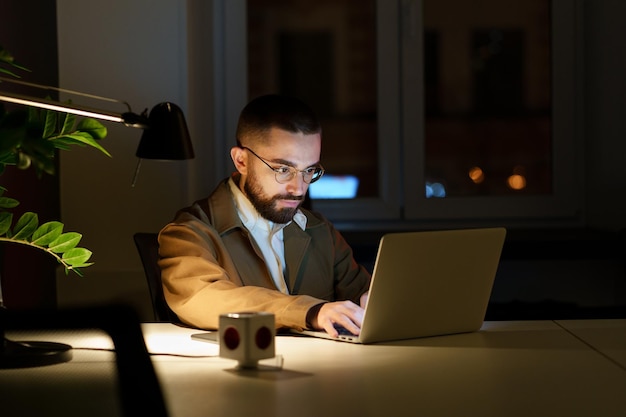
[[28, 31]]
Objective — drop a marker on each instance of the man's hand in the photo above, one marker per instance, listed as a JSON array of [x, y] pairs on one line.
[[363, 300], [344, 313]]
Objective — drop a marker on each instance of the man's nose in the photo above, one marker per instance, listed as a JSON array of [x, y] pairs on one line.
[[297, 186]]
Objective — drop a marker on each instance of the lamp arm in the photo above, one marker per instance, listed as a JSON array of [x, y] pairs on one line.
[[128, 117], [64, 90]]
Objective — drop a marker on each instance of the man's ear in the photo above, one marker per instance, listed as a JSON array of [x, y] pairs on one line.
[[240, 159]]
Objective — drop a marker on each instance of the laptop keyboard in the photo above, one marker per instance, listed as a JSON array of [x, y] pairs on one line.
[[342, 330]]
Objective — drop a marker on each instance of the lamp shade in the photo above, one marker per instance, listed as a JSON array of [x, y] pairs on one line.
[[166, 136]]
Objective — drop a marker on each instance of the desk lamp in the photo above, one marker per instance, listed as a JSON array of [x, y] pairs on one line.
[[165, 137]]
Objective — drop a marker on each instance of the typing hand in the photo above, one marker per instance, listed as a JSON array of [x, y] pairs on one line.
[[364, 298], [342, 313]]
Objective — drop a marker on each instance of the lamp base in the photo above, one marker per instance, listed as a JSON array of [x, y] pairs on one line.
[[30, 354]]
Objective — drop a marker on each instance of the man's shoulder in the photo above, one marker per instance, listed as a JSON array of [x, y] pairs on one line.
[[217, 209]]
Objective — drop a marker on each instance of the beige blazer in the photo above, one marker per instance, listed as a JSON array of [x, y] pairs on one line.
[[210, 265]]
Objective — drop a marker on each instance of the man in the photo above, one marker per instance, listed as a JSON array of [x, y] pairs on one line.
[[250, 246]]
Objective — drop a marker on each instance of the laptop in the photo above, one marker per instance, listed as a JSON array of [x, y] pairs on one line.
[[429, 283]]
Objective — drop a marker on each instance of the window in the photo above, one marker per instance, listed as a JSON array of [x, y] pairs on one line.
[[430, 117], [500, 134], [323, 52]]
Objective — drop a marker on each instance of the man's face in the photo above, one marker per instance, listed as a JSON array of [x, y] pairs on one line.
[[274, 201]]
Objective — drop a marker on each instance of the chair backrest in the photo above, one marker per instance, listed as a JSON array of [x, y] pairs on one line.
[[148, 248]]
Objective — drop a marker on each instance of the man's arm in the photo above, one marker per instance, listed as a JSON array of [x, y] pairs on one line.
[[352, 285], [201, 281]]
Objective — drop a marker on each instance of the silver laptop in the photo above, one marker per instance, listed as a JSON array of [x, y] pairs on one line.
[[428, 284]]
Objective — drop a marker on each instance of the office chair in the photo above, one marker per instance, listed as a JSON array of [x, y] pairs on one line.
[[148, 248]]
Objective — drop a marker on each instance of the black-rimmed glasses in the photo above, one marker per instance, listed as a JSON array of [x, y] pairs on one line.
[[284, 173]]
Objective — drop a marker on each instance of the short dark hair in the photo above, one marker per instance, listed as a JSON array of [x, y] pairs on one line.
[[275, 111]]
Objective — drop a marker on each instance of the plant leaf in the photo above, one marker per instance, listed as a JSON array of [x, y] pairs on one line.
[[76, 269], [25, 226], [7, 57], [96, 129], [7, 72], [83, 137], [7, 203], [6, 219], [68, 122], [50, 126], [65, 242], [77, 257], [47, 233]]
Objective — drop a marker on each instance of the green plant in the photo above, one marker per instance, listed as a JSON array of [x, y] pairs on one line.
[[48, 237], [31, 137]]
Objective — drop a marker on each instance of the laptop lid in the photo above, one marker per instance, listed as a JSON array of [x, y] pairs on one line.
[[431, 283]]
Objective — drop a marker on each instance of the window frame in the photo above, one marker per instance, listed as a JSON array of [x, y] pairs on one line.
[[400, 88], [565, 203], [387, 206]]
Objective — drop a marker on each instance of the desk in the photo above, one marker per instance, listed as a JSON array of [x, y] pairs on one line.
[[542, 368], [606, 336]]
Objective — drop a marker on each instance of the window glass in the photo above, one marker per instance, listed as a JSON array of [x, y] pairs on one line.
[[323, 52], [487, 98], [448, 111]]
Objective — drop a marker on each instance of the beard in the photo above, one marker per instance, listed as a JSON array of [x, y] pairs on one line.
[[267, 206]]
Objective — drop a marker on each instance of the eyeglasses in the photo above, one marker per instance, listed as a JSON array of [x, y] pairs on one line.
[[284, 173]]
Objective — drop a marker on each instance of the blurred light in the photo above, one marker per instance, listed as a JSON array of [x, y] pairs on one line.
[[435, 189], [516, 182], [477, 175], [334, 186]]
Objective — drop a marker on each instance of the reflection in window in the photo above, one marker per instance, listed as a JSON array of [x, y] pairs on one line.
[[487, 97], [335, 186], [323, 52]]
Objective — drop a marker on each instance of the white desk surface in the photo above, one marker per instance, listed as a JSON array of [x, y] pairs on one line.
[[606, 336], [532, 368]]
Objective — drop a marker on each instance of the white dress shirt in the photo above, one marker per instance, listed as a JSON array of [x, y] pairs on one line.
[[267, 235]]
